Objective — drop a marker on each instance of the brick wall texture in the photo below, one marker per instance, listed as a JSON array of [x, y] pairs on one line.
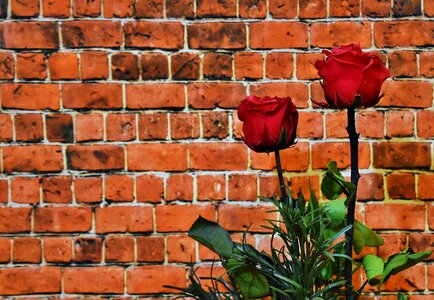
[[118, 128]]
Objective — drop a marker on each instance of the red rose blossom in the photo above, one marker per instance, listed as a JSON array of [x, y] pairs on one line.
[[270, 124], [351, 77]]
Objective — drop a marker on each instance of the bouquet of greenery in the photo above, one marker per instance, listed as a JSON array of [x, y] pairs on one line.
[[316, 238]]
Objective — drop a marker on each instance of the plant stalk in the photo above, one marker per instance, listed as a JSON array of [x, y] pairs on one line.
[[281, 180], [354, 146]]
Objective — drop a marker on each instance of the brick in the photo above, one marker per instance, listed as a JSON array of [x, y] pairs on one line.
[[30, 280], [269, 187], [283, 9], [402, 64], [272, 35], [407, 94], [403, 8], [153, 126], [279, 65], [370, 124], [411, 279], [184, 125], [30, 96], [421, 242], [425, 184], [401, 155], [57, 189], [31, 66], [92, 95], [296, 90], [425, 127], [210, 95], [149, 8], [119, 249], [342, 8], [120, 127], [312, 9], [88, 189], [428, 8], [86, 8], [63, 66], [179, 218], [185, 66], [401, 186], [430, 216], [149, 188], [393, 243], [89, 127], [329, 35], [88, 250], [180, 8], [211, 187], [154, 66], [125, 66], [26, 250], [28, 127], [218, 156], [317, 93], [118, 8], [242, 187], [4, 191], [256, 9], [401, 33], [248, 65], [57, 249], [24, 8], [305, 65], [399, 216], [6, 129], [215, 125], [95, 157], [150, 249], [119, 188], [94, 280], [301, 183], [215, 8], [426, 68], [5, 250], [29, 35], [62, 219], [150, 279], [7, 65], [157, 157], [216, 35], [292, 159], [179, 187], [323, 153], [59, 128], [376, 8], [42, 158], [239, 218], [336, 123], [94, 65], [181, 249], [162, 35], [56, 8], [123, 219], [21, 217], [164, 95], [79, 34], [370, 187], [400, 123]]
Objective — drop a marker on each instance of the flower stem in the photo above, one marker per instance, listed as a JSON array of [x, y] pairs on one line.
[[281, 181], [354, 146]]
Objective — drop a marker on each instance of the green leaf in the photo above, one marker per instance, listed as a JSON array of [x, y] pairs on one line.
[[363, 236], [213, 236], [335, 211], [251, 282], [402, 296], [402, 261], [374, 267], [330, 188]]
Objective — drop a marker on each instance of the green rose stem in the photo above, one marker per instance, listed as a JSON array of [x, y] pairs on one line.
[[281, 181], [354, 146]]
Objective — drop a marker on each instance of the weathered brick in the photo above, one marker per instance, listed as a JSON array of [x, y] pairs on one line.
[[210, 95], [56, 8], [25, 190], [215, 8], [180, 8], [403, 33], [425, 124], [402, 64], [86, 8], [125, 66], [376, 8], [397, 155], [120, 127], [328, 35], [184, 125], [30, 96], [248, 65], [88, 189], [407, 93], [83, 34], [24, 8], [150, 249], [370, 124], [94, 65], [28, 127], [215, 125], [272, 35], [62, 219], [31, 66], [216, 36], [312, 9], [42, 158], [30, 280], [21, 217], [253, 9], [163, 35], [123, 219], [88, 250], [149, 8], [7, 66], [119, 188], [239, 218], [59, 128], [279, 65], [119, 249], [154, 66], [164, 95], [6, 128], [26, 250], [95, 157], [403, 8], [29, 35], [401, 186], [118, 8], [283, 9], [185, 66], [400, 123], [57, 189], [92, 95], [399, 216], [157, 157], [343, 8]]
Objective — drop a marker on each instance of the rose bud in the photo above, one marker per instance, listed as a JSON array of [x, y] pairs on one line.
[[270, 124], [351, 78]]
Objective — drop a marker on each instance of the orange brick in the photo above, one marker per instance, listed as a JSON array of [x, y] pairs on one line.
[[26, 250], [400, 123], [180, 8], [125, 66], [86, 8], [88, 189], [214, 8], [57, 249], [426, 64], [154, 66], [310, 125], [25, 190], [57, 189], [218, 156], [248, 65], [405, 155], [162, 35], [312, 9], [43, 158], [6, 130], [376, 8], [94, 65], [153, 126], [217, 35], [120, 127], [63, 66], [24, 8], [272, 35], [370, 187], [323, 153], [399, 216], [7, 69], [179, 218], [425, 184], [88, 250], [181, 249], [95, 157], [179, 187], [89, 127], [407, 94], [305, 65], [28, 127], [56, 8], [185, 66], [393, 243], [150, 279], [118, 8], [164, 95], [401, 33], [5, 250], [336, 124], [296, 90], [62, 219], [402, 64], [119, 249], [401, 186], [342, 8], [4, 191], [210, 95], [95, 280], [370, 124], [242, 187], [123, 219], [21, 217], [29, 280], [150, 249], [30, 35], [92, 95], [421, 242], [211, 187], [90, 33], [149, 188], [239, 218], [253, 9], [215, 125], [149, 9], [31, 66], [283, 9], [328, 35], [157, 157], [119, 188], [184, 125], [279, 65], [425, 127]]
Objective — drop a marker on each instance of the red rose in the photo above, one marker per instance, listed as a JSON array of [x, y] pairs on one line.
[[270, 124], [351, 77]]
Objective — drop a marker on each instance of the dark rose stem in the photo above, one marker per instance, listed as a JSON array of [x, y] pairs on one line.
[[354, 146], [281, 181]]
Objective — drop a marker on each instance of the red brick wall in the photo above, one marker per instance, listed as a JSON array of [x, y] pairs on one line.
[[118, 128]]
